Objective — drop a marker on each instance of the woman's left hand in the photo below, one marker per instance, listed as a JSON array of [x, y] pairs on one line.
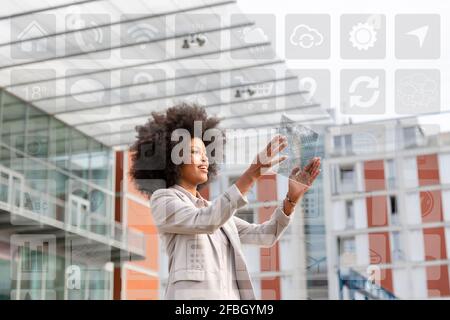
[[301, 180]]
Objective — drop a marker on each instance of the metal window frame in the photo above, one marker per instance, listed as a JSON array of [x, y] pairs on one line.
[[265, 125], [121, 46], [144, 64], [143, 17], [192, 75], [223, 118], [218, 89], [223, 103], [64, 5]]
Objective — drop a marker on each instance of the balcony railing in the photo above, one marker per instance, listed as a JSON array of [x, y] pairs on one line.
[[29, 206], [369, 146], [356, 282]]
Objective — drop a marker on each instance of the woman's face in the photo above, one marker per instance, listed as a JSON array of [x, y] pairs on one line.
[[196, 172]]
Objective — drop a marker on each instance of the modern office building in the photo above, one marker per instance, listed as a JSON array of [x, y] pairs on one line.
[[59, 234], [388, 202]]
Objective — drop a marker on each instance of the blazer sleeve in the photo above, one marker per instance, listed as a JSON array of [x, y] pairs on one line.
[[173, 215], [264, 234]]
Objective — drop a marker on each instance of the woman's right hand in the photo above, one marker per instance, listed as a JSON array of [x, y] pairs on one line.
[[262, 163], [265, 159]]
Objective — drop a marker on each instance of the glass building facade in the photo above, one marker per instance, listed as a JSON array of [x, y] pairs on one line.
[[56, 208]]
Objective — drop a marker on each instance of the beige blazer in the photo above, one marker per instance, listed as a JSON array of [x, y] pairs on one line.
[[185, 231]]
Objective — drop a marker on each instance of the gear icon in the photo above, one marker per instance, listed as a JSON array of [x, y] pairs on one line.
[[363, 36]]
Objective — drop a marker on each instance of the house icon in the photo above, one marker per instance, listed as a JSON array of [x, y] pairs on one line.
[[33, 30]]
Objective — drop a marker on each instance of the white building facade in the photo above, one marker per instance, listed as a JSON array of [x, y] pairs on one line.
[[387, 204]]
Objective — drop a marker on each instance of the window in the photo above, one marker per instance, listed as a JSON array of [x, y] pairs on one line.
[[338, 145], [5, 280], [348, 143], [347, 174], [79, 165], [37, 138], [343, 144], [246, 214], [348, 245], [347, 249], [12, 127], [59, 146], [410, 137], [393, 210], [350, 215]]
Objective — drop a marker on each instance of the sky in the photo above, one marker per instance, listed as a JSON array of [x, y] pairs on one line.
[[389, 8]]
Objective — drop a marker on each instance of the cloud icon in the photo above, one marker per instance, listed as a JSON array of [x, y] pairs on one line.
[[306, 37], [254, 35]]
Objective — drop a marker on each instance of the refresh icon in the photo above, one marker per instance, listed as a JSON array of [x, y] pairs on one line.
[[371, 86]]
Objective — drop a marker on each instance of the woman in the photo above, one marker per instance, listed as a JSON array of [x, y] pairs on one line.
[[203, 238]]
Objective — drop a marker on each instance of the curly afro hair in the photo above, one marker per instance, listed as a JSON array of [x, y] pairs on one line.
[[151, 166]]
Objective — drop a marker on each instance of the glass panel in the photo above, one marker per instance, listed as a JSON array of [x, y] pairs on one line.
[[347, 178], [100, 166], [59, 149], [5, 280], [79, 160], [94, 283], [13, 124], [4, 181], [36, 182], [409, 137], [100, 211], [34, 266], [79, 287], [338, 144], [350, 222], [390, 173], [37, 133], [348, 251], [16, 191], [395, 219], [348, 144], [58, 193], [246, 214], [57, 285], [98, 284]]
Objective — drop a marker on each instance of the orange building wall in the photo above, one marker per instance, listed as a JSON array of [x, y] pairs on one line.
[[435, 249], [139, 280], [438, 283], [380, 253], [431, 206], [377, 216], [376, 205], [377, 211], [269, 257], [374, 175], [428, 169]]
